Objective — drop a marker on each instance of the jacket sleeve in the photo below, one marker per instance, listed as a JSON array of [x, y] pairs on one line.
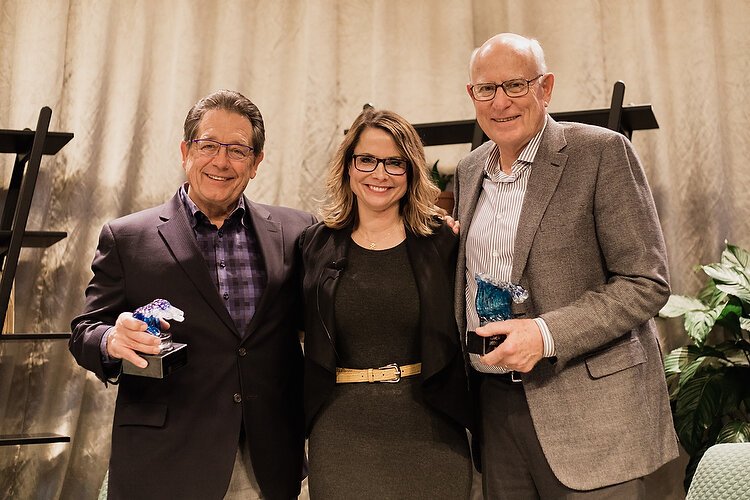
[[104, 302], [623, 278]]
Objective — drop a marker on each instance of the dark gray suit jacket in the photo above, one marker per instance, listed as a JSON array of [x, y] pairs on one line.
[[589, 249], [177, 437]]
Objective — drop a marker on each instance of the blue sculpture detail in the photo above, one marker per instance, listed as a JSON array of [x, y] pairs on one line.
[[156, 310], [494, 298]]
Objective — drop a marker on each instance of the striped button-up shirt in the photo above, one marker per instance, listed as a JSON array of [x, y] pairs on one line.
[[492, 234]]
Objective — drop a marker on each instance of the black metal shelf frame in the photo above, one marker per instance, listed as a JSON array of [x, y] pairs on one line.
[[28, 146]]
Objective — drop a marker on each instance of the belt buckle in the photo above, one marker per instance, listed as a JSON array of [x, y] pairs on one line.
[[515, 378], [398, 373]]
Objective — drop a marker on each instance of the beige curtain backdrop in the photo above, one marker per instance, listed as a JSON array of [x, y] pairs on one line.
[[121, 76]]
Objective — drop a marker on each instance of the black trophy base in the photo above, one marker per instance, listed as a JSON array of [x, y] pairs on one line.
[[476, 344], [159, 365]]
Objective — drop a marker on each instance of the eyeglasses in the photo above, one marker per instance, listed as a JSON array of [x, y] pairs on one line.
[[518, 87], [368, 163], [210, 148]]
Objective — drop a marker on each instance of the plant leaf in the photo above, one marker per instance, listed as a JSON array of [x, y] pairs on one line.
[[745, 323], [731, 308], [734, 432], [740, 290], [722, 273], [698, 324], [689, 371], [730, 279], [677, 305], [676, 360], [710, 295], [698, 405], [736, 256]]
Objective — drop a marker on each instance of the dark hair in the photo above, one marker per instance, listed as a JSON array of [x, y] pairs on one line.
[[418, 204], [232, 101]]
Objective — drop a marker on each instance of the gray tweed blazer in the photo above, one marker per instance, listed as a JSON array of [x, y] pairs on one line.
[[590, 250]]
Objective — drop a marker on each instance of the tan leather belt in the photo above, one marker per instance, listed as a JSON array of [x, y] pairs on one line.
[[389, 373]]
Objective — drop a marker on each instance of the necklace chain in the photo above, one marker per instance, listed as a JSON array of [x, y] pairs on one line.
[[373, 242]]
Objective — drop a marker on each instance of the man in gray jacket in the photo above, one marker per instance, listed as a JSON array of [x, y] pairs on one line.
[[573, 402]]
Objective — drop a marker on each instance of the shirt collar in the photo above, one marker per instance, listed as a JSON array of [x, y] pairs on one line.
[[192, 209], [492, 166]]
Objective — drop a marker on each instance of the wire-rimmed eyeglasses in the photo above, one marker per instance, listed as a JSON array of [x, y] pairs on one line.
[[368, 163], [517, 87], [210, 148]]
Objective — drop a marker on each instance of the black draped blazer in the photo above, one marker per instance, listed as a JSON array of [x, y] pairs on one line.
[[433, 261]]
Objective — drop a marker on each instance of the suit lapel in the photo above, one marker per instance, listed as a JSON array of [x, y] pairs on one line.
[[474, 178], [178, 237], [546, 171], [270, 238]]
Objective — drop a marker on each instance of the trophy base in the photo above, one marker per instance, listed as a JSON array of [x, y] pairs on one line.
[[159, 365], [477, 344]]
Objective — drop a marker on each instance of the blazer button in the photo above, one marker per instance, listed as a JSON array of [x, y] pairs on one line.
[[237, 398], [242, 351]]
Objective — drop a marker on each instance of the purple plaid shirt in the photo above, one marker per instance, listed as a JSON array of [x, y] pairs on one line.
[[233, 259]]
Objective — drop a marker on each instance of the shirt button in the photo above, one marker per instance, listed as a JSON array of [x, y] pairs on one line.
[[495, 253], [499, 216], [237, 398], [220, 233], [242, 351], [222, 264], [226, 295]]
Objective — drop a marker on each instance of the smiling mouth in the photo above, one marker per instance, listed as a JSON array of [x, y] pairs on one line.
[[503, 120], [217, 178], [379, 189]]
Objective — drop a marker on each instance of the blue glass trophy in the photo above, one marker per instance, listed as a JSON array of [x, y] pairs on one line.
[[172, 355], [494, 302]]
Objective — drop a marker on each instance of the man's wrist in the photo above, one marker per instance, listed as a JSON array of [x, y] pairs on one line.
[[547, 340]]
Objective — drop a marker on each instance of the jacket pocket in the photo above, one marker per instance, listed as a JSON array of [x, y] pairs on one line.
[[616, 358], [147, 414]]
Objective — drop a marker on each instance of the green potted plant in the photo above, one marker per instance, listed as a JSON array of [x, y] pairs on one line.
[[445, 200], [709, 380]]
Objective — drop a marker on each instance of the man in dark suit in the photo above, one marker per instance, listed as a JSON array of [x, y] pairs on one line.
[[573, 402], [230, 423]]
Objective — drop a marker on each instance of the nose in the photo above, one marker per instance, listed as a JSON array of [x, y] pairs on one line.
[[501, 101], [221, 157], [379, 171]]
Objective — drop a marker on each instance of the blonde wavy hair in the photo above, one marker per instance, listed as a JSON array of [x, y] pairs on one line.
[[417, 207]]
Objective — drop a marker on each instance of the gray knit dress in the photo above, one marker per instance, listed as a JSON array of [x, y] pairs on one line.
[[381, 440]]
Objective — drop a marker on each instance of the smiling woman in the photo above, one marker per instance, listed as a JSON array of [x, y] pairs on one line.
[[382, 245]]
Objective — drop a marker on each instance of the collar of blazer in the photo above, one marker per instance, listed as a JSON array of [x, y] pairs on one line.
[[178, 237]]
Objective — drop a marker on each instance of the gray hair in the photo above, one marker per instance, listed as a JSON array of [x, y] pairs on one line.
[[231, 101]]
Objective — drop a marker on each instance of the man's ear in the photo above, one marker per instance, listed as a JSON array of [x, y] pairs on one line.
[[256, 161], [184, 151], [547, 84]]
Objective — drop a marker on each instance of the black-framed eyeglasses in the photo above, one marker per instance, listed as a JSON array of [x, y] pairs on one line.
[[368, 163], [517, 87], [210, 148]]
